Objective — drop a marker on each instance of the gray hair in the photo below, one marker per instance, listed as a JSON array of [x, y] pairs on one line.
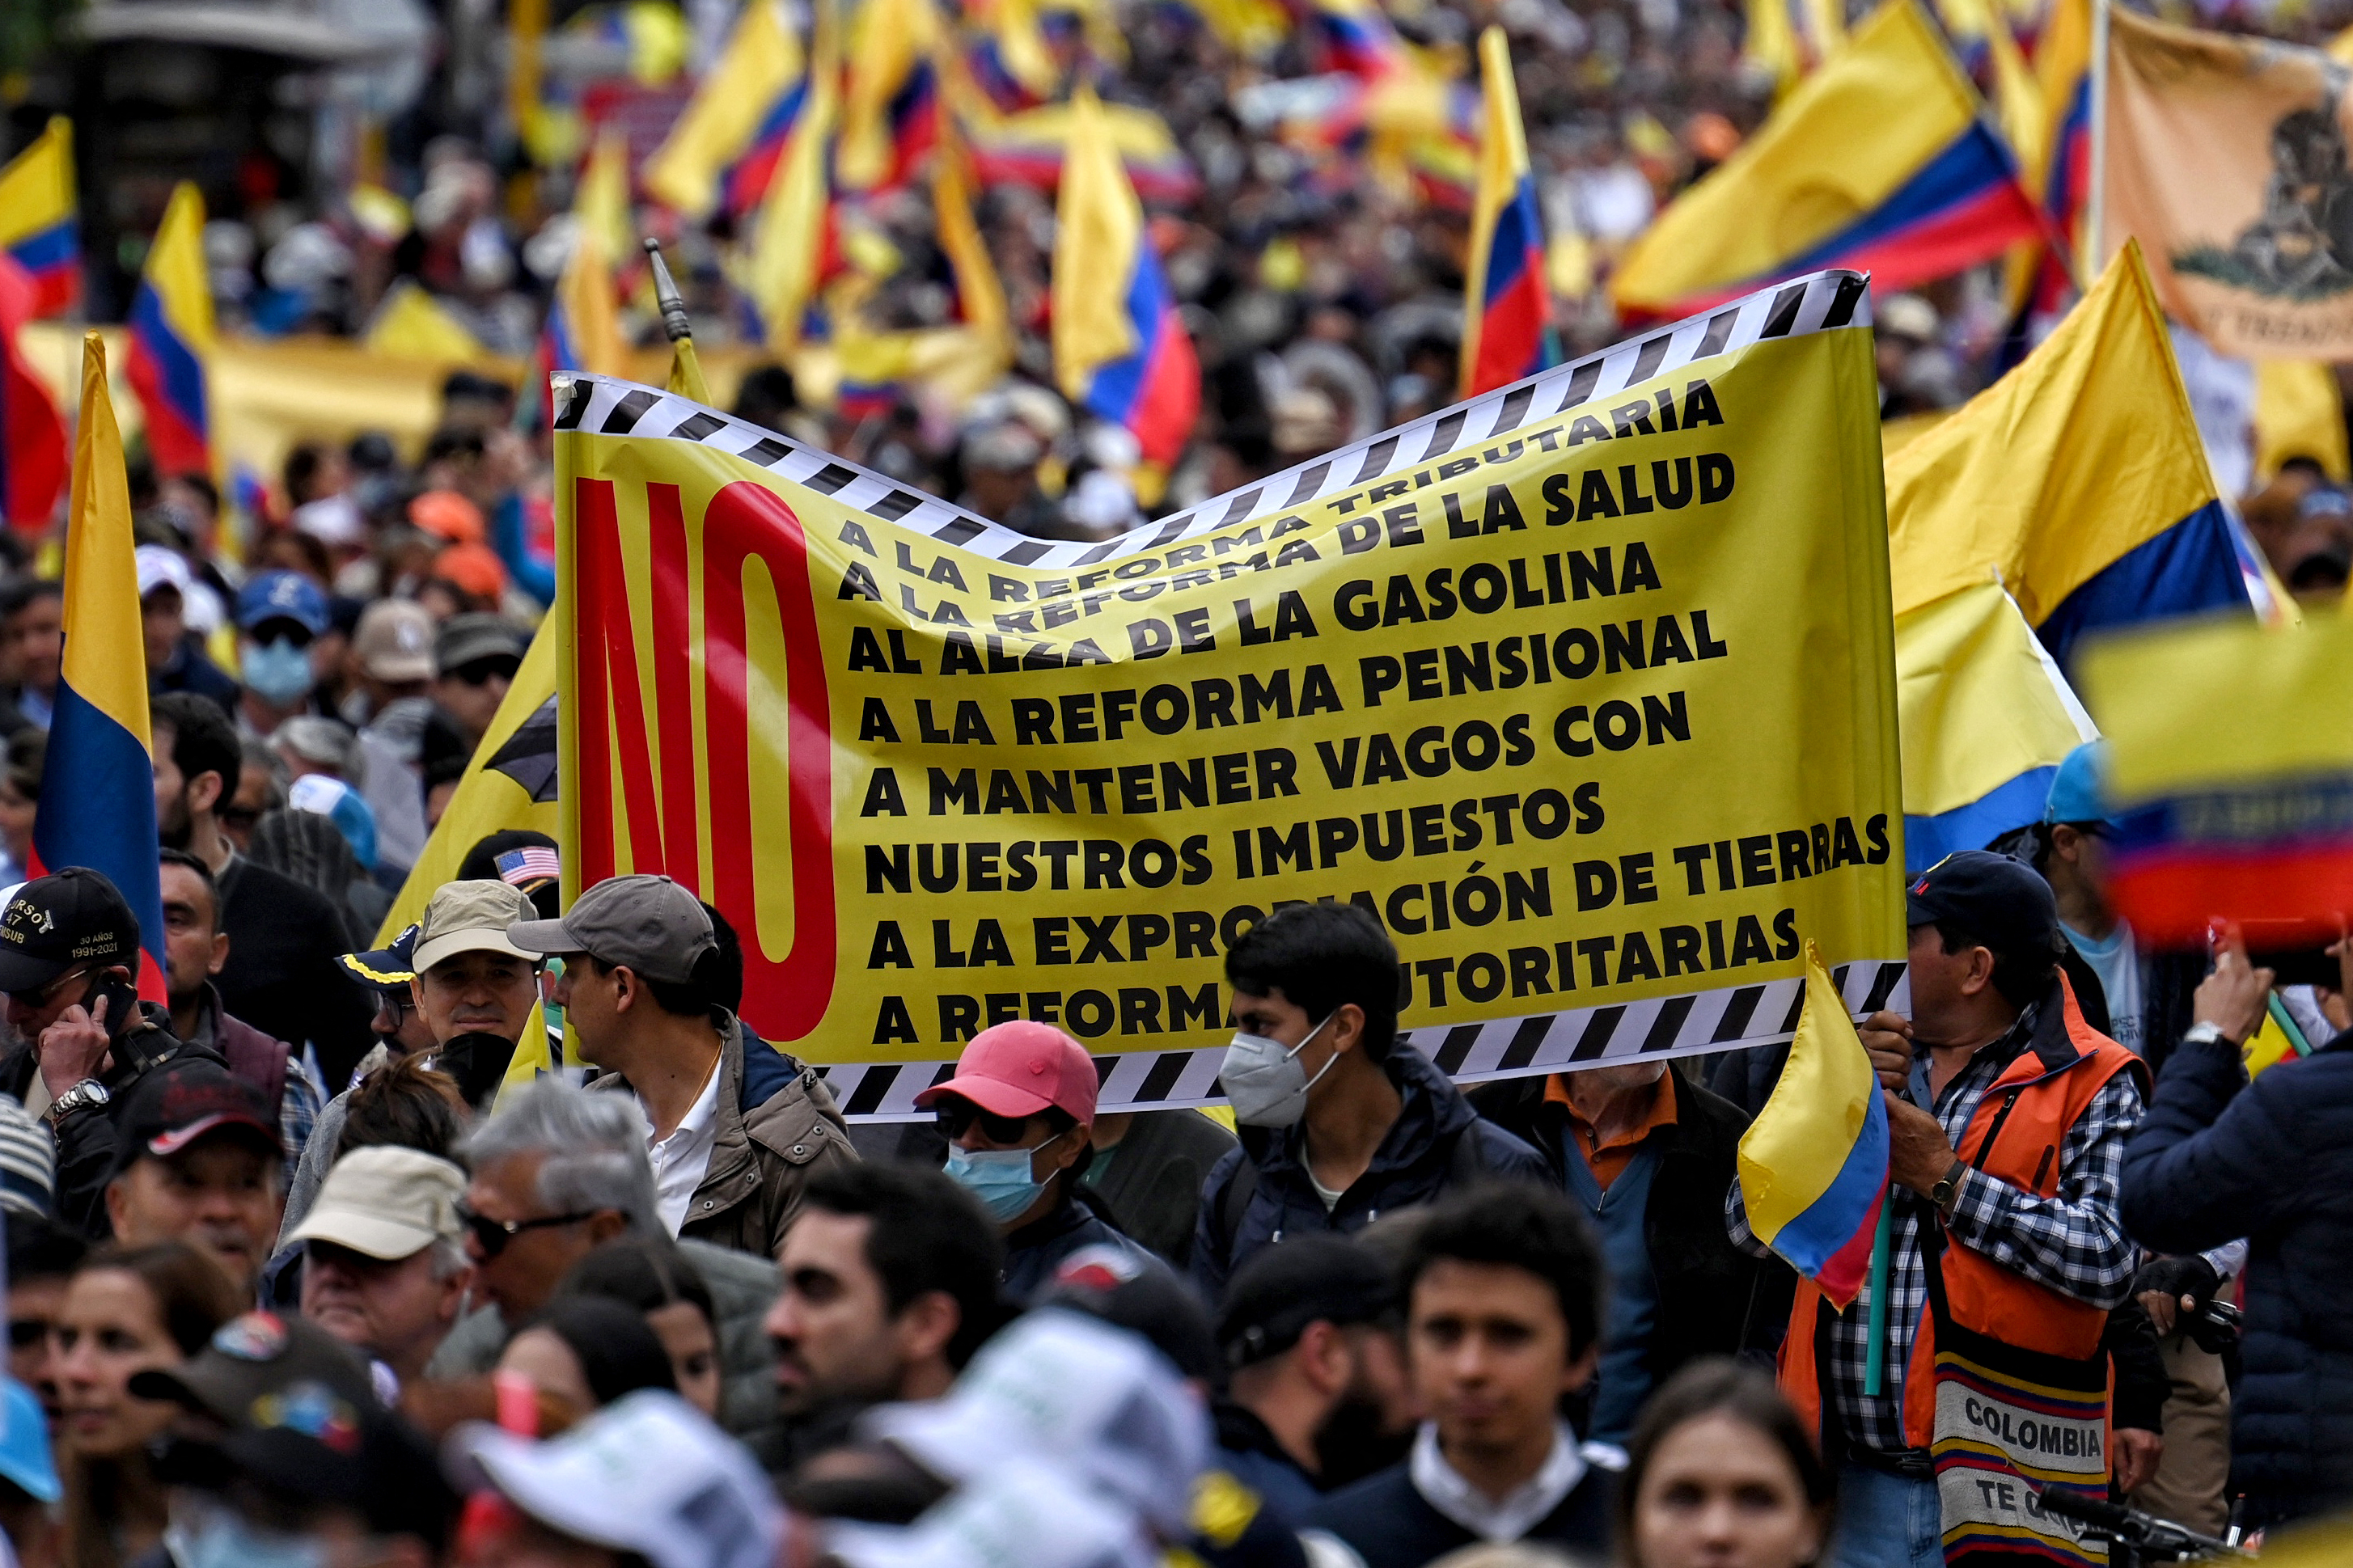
[[595, 1146]]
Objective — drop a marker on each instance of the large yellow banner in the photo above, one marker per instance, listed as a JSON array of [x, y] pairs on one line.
[[1585, 687]]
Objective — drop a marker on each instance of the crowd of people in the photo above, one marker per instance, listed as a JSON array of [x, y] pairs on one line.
[[679, 1311], [301, 1270]]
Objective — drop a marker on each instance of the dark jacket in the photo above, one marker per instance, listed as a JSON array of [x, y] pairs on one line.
[[2216, 1159], [283, 976], [1391, 1525], [778, 1126], [193, 671], [88, 1139], [257, 1059], [1034, 1251], [1416, 1164], [1152, 1183], [1248, 1451], [1714, 1299]]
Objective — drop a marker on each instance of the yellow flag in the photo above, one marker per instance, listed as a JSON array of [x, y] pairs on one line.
[[412, 324], [2299, 412]]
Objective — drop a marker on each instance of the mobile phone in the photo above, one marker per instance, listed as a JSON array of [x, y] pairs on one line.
[[2292, 951], [122, 1003]]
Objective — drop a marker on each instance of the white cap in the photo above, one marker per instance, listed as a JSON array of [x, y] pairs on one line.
[[160, 565], [648, 1474], [1024, 1511], [334, 521], [1063, 1387]]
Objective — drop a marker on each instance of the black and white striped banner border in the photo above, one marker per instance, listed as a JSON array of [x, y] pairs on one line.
[[1818, 302], [1736, 1017]]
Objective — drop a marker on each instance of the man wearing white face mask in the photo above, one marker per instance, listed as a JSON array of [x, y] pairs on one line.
[[1016, 1116], [1340, 1123]]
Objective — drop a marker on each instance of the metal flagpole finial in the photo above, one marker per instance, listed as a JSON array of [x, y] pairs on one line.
[[666, 295]]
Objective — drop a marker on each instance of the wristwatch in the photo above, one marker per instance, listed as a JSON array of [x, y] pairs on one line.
[[82, 1096], [1947, 1190], [2207, 1034]]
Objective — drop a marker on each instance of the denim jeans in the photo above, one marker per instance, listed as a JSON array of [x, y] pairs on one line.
[[1887, 1521]]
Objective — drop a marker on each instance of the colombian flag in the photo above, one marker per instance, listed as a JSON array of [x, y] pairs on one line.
[[2060, 176], [1358, 39], [2229, 775], [721, 123], [1814, 1165], [890, 106], [1881, 160], [796, 247], [1507, 333], [746, 182], [583, 329], [98, 785], [32, 433], [172, 338], [1119, 348], [41, 226], [2072, 495]]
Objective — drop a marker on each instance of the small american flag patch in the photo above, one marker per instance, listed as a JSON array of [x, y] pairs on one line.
[[531, 863]]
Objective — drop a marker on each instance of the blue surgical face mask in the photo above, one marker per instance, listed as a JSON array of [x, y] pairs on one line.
[[216, 1537], [999, 1178], [279, 673]]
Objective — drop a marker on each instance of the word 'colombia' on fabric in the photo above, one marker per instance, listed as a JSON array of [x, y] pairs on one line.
[[1585, 686]]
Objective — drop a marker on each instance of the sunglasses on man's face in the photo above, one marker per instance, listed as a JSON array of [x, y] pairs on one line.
[[480, 671], [957, 1116], [494, 1233]]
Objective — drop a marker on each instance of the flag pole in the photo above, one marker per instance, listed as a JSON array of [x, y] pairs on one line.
[[1874, 1364], [2095, 199]]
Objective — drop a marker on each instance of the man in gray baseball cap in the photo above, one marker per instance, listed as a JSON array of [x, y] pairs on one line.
[[737, 1126]]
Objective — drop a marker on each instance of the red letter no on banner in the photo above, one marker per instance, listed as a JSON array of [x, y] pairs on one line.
[[783, 1000]]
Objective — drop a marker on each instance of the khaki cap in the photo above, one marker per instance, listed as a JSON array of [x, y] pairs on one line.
[[386, 1203], [394, 640], [648, 924], [470, 917]]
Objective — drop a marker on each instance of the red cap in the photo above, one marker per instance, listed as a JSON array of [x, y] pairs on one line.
[[1018, 1069]]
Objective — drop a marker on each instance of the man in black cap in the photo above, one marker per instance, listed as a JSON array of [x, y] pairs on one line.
[[2006, 1117], [1318, 1396], [68, 955], [199, 1160], [281, 1452]]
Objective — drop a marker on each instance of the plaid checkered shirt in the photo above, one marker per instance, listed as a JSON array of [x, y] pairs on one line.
[[2074, 1241]]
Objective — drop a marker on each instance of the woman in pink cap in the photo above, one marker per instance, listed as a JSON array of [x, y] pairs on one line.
[[1016, 1116]]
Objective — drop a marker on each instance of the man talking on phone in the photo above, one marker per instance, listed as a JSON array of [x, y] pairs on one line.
[[69, 956]]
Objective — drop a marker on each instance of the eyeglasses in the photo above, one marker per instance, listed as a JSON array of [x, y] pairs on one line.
[[40, 996], [957, 1118], [494, 1233]]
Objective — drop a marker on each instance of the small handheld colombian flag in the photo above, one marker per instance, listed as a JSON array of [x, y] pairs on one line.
[[40, 224], [171, 337], [1507, 333], [97, 781], [1814, 1165]]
